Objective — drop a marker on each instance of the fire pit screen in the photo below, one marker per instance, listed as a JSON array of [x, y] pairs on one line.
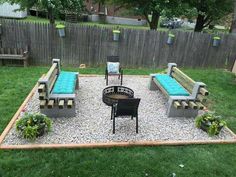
[[112, 94]]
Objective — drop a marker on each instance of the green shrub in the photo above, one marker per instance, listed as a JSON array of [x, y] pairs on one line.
[[210, 123], [32, 126]]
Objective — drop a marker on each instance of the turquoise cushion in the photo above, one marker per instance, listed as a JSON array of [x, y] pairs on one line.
[[172, 87], [65, 83]]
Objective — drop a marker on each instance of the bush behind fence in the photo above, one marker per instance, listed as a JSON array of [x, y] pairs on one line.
[[136, 48]]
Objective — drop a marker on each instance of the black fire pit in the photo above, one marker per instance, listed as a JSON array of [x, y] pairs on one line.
[[112, 94]]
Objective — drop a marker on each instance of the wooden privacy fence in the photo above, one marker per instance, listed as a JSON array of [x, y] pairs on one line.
[[136, 48]]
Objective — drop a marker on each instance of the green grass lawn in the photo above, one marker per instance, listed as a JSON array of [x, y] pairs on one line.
[[198, 160]]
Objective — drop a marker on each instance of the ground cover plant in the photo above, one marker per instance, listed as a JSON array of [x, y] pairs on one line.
[[210, 122], [32, 126], [198, 160]]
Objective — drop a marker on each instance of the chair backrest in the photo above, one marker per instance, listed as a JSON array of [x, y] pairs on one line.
[[127, 107], [113, 59]]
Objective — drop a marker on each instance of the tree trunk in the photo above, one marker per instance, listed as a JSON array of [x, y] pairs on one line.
[[200, 23], [155, 19], [51, 16], [233, 24]]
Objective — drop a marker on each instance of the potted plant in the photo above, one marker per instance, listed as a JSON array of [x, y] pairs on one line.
[[210, 123], [116, 35], [170, 39], [216, 41], [61, 29], [32, 126]]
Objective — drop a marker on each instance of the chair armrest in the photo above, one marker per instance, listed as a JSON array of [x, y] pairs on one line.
[[106, 71], [120, 70]]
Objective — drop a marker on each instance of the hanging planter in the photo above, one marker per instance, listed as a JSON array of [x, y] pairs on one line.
[[61, 30], [170, 39], [116, 35], [216, 41]]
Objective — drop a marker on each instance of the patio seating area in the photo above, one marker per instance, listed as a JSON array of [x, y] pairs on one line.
[[185, 96], [57, 91], [93, 123]]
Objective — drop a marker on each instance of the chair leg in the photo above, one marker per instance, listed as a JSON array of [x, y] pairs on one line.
[[137, 124], [121, 80], [114, 125], [111, 112], [107, 80]]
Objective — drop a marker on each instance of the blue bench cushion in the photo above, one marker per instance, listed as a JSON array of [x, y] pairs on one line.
[[65, 83], [172, 87]]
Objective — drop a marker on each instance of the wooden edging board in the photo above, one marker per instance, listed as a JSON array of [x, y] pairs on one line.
[[94, 145], [15, 117], [117, 144]]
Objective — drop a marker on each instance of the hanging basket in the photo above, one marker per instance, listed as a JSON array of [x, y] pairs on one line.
[[61, 30], [116, 35], [216, 41], [171, 38]]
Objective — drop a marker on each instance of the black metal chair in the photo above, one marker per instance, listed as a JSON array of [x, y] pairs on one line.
[[120, 74], [125, 107]]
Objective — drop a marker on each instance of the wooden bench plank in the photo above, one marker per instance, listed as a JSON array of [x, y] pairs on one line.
[[42, 104], [49, 73], [51, 104], [204, 91], [12, 57], [41, 88], [199, 105], [1, 50], [42, 96], [69, 103], [61, 104], [184, 104], [177, 105], [201, 98], [183, 79], [14, 54], [192, 105]]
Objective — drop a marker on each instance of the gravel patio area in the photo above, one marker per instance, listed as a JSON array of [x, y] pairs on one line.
[[93, 125]]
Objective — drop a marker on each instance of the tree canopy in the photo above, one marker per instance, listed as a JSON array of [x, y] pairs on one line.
[[206, 11], [154, 8], [53, 7], [209, 11], [233, 24]]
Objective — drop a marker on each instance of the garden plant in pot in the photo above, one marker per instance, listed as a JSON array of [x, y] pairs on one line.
[[32, 126], [210, 123]]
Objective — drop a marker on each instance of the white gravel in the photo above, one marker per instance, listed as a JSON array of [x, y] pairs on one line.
[[93, 125]]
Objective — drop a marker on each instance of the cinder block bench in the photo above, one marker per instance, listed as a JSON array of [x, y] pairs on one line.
[[57, 91], [185, 96]]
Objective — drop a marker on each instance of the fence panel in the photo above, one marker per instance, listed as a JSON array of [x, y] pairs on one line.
[[136, 48]]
